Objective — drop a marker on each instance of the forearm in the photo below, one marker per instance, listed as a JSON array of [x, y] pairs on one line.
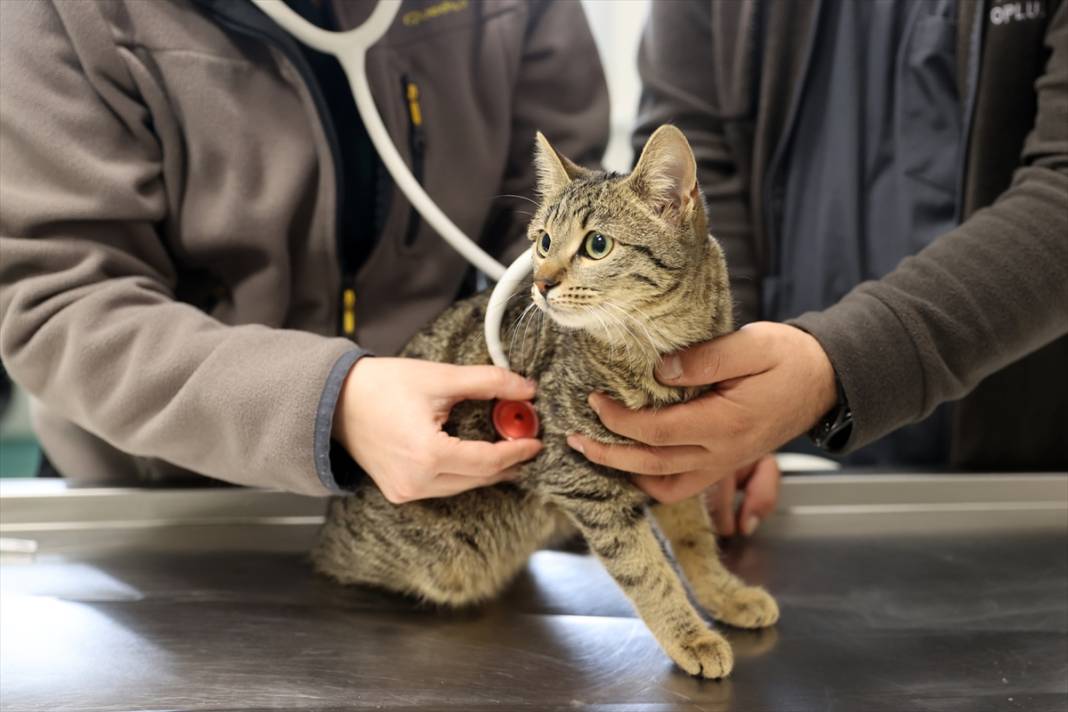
[[977, 299], [973, 302], [156, 378]]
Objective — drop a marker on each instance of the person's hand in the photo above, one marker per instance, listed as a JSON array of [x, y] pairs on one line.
[[773, 382], [759, 485], [758, 482], [390, 416]]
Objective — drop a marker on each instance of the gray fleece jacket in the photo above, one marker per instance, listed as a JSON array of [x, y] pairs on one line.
[[169, 277]]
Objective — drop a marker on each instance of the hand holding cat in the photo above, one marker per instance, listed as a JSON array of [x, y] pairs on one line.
[[773, 382], [390, 416]]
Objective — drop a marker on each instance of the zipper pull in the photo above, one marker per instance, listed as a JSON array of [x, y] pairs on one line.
[[348, 312], [417, 148], [415, 111]]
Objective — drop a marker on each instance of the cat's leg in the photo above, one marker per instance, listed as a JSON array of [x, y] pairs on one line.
[[617, 528], [726, 597]]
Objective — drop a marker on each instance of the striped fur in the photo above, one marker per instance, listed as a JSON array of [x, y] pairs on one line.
[[602, 328]]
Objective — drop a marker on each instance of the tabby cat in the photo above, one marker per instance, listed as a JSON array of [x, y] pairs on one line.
[[625, 270]]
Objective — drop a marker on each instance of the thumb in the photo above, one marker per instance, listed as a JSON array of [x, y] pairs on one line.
[[741, 353], [482, 383]]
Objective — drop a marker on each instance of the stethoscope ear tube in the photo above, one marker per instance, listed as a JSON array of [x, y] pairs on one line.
[[350, 49], [370, 31]]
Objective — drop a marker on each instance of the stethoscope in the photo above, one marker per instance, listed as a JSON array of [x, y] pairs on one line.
[[513, 419]]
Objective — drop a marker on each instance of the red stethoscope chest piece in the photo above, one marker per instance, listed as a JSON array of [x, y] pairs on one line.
[[515, 420]]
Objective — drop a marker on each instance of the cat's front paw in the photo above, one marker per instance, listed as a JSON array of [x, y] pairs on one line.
[[747, 607], [707, 654]]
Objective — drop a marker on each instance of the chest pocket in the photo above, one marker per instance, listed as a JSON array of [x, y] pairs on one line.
[[444, 85]]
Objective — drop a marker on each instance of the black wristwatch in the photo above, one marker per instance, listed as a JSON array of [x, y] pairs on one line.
[[834, 428]]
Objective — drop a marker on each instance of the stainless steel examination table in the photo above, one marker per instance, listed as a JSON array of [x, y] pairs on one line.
[[897, 592]]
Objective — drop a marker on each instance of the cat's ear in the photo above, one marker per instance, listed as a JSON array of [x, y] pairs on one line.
[[555, 171], [666, 173]]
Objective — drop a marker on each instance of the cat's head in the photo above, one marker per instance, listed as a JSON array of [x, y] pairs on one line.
[[625, 257]]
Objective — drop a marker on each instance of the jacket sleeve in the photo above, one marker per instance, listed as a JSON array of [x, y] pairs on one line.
[[560, 91], [975, 300], [88, 320], [677, 64]]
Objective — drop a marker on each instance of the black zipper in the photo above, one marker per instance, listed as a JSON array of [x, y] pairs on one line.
[[417, 148], [246, 19]]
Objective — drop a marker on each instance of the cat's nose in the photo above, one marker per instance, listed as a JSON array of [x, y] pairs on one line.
[[544, 285]]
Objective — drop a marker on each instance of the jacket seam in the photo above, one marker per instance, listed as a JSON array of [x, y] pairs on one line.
[[155, 51], [972, 90]]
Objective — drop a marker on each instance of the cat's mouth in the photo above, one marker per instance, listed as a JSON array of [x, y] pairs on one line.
[[608, 322], [569, 316]]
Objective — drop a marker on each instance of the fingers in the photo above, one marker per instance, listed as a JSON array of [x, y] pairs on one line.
[[481, 383], [641, 459], [722, 506], [675, 488], [738, 354], [761, 494], [477, 458], [683, 424]]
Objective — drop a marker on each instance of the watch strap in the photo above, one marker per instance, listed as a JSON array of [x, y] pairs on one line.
[[833, 430]]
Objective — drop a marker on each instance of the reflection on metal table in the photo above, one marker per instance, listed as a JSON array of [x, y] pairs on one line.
[[898, 592]]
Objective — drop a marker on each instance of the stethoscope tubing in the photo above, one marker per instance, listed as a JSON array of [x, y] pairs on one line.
[[350, 49]]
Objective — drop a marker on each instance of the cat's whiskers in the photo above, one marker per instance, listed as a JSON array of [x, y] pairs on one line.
[[515, 328], [594, 311], [539, 314], [625, 318], [645, 346], [520, 197], [650, 322], [506, 301], [625, 334], [626, 339], [661, 343], [515, 294]]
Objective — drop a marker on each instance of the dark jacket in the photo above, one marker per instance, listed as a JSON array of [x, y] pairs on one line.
[[983, 311], [172, 273]]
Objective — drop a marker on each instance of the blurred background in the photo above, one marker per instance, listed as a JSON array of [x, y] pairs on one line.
[[18, 448], [617, 26]]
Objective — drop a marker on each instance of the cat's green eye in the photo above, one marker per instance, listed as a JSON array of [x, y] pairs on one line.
[[543, 244], [597, 246]]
